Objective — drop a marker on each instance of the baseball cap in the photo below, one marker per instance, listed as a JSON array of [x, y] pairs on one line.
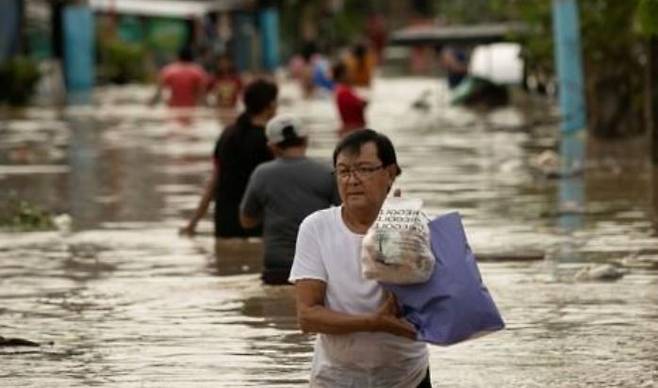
[[284, 127]]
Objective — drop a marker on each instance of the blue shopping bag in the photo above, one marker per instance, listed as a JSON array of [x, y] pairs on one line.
[[454, 304]]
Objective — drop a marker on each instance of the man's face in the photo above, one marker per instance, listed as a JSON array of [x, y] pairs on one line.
[[363, 181]]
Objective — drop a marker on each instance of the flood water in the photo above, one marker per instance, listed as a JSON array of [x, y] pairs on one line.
[[122, 301]]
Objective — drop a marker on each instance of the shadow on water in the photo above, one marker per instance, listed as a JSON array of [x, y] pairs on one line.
[[126, 302]]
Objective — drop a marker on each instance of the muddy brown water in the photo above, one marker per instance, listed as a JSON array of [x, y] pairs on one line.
[[122, 301]]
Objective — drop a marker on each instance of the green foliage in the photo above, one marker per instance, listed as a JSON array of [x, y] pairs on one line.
[[334, 29], [614, 67], [471, 11], [166, 34], [122, 62], [538, 41], [18, 80], [348, 23], [607, 31], [19, 215], [647, 17]]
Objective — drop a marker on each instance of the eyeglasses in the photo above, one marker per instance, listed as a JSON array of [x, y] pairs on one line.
[[361, 172]]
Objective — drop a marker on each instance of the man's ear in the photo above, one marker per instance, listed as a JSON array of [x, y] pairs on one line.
[[392, 171]]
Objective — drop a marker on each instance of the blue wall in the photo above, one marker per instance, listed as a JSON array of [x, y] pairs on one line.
[[10, 20]]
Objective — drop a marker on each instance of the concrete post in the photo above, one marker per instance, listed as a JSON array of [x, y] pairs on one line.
[[568, 56], [79, 59], [269, 33]]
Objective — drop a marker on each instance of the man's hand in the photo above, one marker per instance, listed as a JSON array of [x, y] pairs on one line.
[[389, 307], [388, 320], [189, 230]]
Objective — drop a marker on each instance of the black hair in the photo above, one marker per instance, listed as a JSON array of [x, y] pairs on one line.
[[290, 138], [185, 54], [229, 62], [352, 144], [259, 95], [338, 71], [359, 51]]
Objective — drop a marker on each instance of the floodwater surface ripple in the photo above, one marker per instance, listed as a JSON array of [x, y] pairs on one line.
[[122, 301]]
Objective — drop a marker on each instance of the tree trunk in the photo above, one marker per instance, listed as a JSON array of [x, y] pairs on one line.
[[652, 100]]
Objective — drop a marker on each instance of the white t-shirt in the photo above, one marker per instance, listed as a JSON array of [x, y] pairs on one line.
[[327, 250]]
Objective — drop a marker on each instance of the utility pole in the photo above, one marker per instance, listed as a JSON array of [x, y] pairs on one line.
[[78, 43], [568, 55], [268, 18], [568, 59]]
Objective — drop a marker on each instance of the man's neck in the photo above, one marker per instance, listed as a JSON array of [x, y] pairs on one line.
[[293, 152], [359, 220], [259, 120]]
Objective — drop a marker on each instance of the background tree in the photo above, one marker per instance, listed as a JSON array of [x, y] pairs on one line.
[[647, 22]]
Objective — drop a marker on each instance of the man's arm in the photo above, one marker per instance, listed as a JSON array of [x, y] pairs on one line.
[[204, 203], [157, 95], [314, 317], [248, 222], [161, 84]]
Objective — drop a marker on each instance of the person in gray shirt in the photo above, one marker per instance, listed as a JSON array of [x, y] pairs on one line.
[[282, 192]]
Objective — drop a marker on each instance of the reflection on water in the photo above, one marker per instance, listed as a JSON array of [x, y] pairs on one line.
[[572, 193], [127, 303]]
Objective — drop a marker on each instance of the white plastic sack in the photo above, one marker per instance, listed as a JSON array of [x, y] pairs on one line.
[[396, 249], [498, 62]]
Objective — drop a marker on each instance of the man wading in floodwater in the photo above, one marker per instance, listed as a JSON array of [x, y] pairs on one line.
[[361, 340], [240, 148], [281, 193]]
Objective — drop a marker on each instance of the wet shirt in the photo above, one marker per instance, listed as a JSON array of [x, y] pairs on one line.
[[282, 193], [328, 251], [351, 108], [240, 148], [186, 81], [361, 71]]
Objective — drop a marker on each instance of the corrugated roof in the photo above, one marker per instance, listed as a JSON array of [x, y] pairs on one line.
[[171, 8], [471, 34]]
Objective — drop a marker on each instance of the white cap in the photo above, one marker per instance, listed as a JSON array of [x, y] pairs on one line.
[[283, 127]]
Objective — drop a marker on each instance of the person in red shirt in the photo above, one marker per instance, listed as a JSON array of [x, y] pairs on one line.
[[185, 80], [351, 107]]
